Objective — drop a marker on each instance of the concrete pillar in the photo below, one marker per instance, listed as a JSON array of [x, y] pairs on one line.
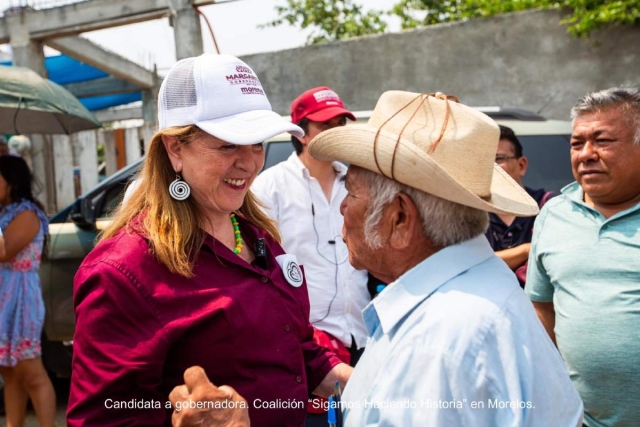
[[150, 111], [63, 167], [30, 54], [132, 145], [188, 32], [26, 52], [146, 133], [106, 137], [85, 155], [150, 106], [42, 167]]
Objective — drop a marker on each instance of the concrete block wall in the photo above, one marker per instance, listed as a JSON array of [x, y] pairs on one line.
[[524, 60]]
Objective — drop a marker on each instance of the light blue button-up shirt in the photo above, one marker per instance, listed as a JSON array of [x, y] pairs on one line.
[[455, 342]]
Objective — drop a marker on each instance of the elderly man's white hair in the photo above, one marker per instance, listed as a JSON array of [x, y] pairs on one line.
[[445, 223]]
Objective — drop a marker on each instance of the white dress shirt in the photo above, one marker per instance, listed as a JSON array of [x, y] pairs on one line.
[[456, 342], [337, 291]]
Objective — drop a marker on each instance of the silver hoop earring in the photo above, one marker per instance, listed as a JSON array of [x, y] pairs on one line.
[[179, 189]]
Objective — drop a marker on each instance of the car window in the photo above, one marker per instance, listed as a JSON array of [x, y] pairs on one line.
[[277, 151], [549, 161], [107, 202]]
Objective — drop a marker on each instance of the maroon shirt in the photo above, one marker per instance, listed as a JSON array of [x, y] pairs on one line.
[[138, 327]]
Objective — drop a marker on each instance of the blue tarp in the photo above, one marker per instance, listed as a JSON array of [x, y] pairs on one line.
[[64, 70]]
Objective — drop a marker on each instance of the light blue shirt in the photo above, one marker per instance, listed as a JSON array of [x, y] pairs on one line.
[[455, 342], [589, 266]]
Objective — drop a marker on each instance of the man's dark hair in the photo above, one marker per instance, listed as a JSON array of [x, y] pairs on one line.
[[304, 124], [508, 134]]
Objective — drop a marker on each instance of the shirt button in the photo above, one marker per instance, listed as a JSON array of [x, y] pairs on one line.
[[287, 328], [265, 279], [298, 379], [509, 234]]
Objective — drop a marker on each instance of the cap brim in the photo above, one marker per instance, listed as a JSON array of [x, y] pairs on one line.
[[327, 114], [251, 127]]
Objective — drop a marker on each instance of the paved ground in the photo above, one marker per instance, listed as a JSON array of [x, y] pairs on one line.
[[62, 395]]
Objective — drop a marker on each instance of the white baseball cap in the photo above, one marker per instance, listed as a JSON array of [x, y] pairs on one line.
[[222, 96]]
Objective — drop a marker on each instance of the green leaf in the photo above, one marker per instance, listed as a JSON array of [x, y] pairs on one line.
[[587, 15], [333, 20], [330, 19]]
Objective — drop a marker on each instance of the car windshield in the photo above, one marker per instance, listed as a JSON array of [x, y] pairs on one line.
[[549, 165]]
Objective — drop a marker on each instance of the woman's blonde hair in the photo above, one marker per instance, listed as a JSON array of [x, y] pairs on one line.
[[173, 227]]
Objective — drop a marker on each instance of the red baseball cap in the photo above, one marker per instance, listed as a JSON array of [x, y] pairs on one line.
[[319, 104]]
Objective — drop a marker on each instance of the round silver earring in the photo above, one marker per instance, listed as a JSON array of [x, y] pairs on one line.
[[179, 189]]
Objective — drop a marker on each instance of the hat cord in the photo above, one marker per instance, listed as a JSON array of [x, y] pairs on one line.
[[433, 147], [375, 141], [445, 98]]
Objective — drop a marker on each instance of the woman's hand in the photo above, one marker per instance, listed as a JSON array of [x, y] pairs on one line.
[[200, 403], [341, 373]]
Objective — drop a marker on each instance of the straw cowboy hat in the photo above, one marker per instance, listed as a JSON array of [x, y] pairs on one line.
[[434, 144]]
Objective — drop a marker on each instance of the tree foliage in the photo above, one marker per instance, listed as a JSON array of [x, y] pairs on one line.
[[590, 15], [586, 15], [341, 19], [330, 19]]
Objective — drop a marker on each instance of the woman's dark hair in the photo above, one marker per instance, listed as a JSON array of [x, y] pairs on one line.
[[16, 172], [304, 124]]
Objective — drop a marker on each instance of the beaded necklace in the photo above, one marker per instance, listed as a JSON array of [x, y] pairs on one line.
[[236, 231]]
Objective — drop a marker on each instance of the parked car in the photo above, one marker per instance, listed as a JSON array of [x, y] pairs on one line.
[[73, 230]]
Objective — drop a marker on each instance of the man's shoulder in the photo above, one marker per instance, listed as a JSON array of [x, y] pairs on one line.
[[541, 196], [265, 184], [460, 311], [555, 203]]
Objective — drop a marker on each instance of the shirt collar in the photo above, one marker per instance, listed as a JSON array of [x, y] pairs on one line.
[[575, 194], [417, 284], [295, 164]]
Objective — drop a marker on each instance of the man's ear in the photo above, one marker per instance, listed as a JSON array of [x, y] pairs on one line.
[[523, 162], [305, 140], [404, 216], [174, 150]]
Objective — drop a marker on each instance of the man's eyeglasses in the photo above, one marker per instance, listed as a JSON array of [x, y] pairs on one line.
[[504, 159]]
